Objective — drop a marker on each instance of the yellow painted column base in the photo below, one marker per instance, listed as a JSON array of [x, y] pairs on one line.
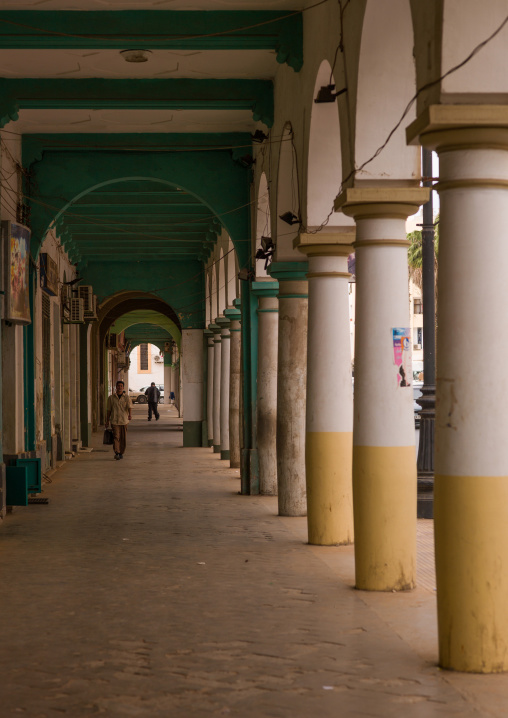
[[328, 458], [384, 500], [471, 529]]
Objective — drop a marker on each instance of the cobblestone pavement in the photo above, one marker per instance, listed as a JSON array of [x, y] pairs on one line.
[[148, 587]]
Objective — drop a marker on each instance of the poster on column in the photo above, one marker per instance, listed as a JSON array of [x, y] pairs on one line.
[[401, 338], [16, 240]]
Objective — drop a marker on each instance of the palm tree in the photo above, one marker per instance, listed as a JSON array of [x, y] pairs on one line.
[[414, 256]]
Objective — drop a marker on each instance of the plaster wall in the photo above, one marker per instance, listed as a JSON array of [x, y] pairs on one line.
[[137, 380]]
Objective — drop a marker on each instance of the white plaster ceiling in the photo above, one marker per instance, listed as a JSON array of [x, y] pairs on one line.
[[113, 121], [219, 64], [153, 4]]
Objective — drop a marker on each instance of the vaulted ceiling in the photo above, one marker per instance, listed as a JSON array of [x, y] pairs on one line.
[[70, 87]]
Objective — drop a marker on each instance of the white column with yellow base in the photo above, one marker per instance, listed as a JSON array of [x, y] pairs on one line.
[[384, 456], [471, 461], [329, 429]]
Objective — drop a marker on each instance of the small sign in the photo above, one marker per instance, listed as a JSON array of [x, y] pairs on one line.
[[49, 274], [401, 338]]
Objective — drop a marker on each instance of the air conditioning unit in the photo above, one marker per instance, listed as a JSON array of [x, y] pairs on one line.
[[122, 359], [158, 359], [417, 346], [86, 294], [91, 314], [111, 341], [77, 311]]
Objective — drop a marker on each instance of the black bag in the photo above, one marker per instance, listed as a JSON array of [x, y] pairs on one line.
[[108, 437]]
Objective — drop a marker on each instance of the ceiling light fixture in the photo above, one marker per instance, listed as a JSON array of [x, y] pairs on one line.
[[135, 55]]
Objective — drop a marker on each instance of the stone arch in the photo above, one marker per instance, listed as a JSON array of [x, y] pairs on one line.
[[263, 222], [324, 162], [288, 197], [386, 83], [67, 178]]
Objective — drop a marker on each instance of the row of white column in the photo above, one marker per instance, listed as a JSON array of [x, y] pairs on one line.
[[359, 473], [223, 386]]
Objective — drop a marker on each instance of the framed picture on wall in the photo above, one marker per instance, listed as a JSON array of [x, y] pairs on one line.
[[16, 241]]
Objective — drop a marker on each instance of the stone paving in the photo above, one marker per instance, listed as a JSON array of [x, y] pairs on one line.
[[148, 587]]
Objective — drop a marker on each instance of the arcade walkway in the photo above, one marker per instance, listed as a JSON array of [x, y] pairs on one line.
[[149, 587]]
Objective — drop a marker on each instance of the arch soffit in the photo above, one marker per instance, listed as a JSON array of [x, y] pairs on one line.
[[69, 178], [386, 82], [120, 304]]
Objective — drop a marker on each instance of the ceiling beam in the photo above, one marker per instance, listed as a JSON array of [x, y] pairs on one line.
[[94, 93], [156, 30]]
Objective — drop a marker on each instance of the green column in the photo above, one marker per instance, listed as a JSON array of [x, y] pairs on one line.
[[249, 469]]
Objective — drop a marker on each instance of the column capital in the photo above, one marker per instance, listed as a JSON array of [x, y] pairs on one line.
[[265, 289], [214, 328], [288, 271], [233, 314], [442, 127], [237, 303], [207, 333], [381, 202], [329, 244]]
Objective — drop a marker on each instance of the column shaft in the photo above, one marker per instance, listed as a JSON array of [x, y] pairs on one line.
[[224, 392], [234, 387], [329, 440], [291, 386], [471, 461], [209, 389], [268, 332], [192, 375], [384, 456], [216, 387]]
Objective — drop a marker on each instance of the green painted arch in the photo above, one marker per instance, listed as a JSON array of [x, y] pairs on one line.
[[146, 317], [125, 303], [212, 177]]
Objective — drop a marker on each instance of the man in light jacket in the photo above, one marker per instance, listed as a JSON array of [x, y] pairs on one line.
[[119, 410]]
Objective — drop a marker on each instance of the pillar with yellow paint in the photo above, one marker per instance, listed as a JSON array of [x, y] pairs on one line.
[[471, 461], [384, 456], [329, 418]]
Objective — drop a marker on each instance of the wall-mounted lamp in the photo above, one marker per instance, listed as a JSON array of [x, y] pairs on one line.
[[259, 136], [327, 94], [289, 218], [266, 250], [246, 161]]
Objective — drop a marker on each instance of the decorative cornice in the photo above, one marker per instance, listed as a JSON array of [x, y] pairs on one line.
[[265, 289], [327, 244], [460, 127], [387, 202], [288, 271]]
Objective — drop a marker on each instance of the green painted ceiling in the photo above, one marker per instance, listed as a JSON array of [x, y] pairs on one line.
[[155, 325], [140, 166]]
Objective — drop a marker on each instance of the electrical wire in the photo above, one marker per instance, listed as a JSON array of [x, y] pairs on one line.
[[166, 37]]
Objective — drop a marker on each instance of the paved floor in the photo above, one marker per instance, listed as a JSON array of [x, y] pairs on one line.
[[148, 587]]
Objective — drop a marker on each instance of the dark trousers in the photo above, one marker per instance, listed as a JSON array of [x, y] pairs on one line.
[[120, 438], [152, 406]]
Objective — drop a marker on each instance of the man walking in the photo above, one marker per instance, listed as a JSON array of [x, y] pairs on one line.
[[153, 396], [119, 410]]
